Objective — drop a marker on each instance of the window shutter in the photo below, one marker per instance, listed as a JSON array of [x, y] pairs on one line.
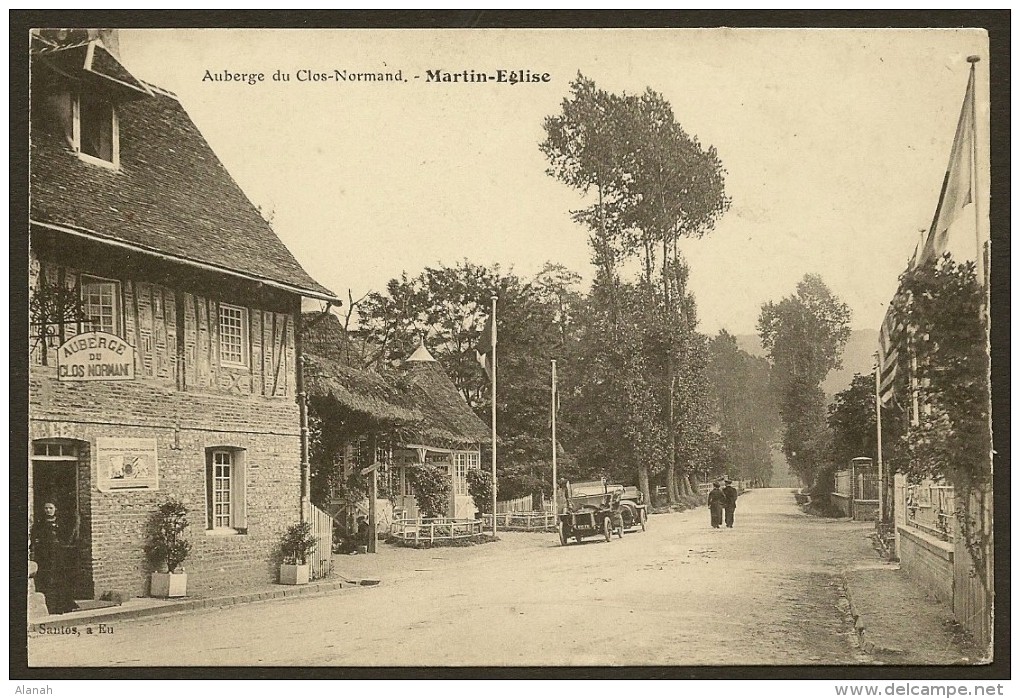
[[238, 486], [208, 488]]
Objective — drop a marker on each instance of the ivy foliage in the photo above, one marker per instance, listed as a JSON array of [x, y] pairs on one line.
[[479, 483], [940, 307], [431, 486]]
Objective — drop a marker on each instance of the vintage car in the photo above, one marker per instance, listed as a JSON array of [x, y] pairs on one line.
[[633, 508], [592, 508]]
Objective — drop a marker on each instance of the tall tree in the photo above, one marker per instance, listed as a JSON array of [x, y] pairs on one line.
[[610, 389], [852, 421], [745, 407], [804, 335], [655, 184], [586, 145]]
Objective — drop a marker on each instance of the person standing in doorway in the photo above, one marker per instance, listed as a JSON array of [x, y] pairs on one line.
[[52, 551], [716, 500], [730, 493]]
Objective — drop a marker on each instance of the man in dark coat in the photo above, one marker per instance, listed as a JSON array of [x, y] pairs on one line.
[[52, 551], [716, 500], [730, 493]]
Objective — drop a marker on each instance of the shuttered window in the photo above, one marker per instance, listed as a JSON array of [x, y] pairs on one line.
[[226, 491]]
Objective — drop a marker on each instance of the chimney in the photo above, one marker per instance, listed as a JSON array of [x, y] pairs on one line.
[[110, 39]]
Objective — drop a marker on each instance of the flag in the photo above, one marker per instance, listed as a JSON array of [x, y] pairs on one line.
[[486, 346], [958, 190], [888, 357]]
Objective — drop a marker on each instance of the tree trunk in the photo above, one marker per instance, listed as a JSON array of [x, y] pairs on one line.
[[674, 495], [688, 487], [643, 482], [667, 315]]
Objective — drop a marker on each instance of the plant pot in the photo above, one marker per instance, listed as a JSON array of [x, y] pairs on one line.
[[169, 585], [294, 574]]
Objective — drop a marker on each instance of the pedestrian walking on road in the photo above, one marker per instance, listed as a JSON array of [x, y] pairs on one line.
[[716, 500], [730, 493]]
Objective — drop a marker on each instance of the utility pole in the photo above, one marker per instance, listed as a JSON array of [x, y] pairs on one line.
[[878, 434], [553, 408]]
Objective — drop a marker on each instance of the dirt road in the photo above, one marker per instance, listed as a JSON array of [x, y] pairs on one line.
[[682, 593]]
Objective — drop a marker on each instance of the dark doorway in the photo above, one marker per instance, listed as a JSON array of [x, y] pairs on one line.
[[56, 474]]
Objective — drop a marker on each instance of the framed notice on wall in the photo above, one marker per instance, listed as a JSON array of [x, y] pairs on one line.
[[126, 463]]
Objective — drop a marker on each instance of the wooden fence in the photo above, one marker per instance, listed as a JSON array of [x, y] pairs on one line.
[[321, 558], [931, 507], [706, 488], [972, 603], [433, 529], [525, 503], [522, 521]]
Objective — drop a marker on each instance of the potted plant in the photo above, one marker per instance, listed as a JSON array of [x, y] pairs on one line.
[[298, 543], [168, 549]]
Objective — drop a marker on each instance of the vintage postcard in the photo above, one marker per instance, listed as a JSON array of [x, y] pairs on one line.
[[509, 348]]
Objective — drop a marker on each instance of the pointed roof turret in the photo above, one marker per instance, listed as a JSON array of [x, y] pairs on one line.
[[421, 354]]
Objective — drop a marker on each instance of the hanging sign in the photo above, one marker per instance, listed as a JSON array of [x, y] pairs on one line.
[[95, 356], [126, 463]]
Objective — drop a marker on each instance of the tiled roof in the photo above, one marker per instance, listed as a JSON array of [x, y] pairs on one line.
[[171, 195]]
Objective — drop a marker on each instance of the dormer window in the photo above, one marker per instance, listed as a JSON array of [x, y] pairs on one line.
[[95, 130]]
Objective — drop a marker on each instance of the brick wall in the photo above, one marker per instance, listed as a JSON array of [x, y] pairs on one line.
[[866, 510], [841, 502], [184, 425], [928, 561]]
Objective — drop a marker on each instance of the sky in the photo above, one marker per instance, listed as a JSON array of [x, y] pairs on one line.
[[835, 144]]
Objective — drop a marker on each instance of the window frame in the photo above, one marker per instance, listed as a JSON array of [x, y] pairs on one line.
[[463, 461], [245, 362], [76, 134], [118, 298], [237, 491]]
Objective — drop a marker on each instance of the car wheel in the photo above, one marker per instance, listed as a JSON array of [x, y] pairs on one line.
[[627, 515], [643, 516], [563, 534], [607, 528]]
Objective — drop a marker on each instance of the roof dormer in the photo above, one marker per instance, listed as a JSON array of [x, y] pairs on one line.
[[86, 83]]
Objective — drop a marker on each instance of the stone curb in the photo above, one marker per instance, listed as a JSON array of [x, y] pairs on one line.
[[865, 641], [188, 605]]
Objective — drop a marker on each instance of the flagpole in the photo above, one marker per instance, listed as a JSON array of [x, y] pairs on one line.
[[492, 339], [553, 408], [878, 434], [980, 267]]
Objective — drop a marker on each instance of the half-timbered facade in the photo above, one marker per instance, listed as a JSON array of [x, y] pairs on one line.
[[164, 332]]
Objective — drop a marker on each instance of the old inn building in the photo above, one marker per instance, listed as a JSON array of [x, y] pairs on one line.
[[164, 338]]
